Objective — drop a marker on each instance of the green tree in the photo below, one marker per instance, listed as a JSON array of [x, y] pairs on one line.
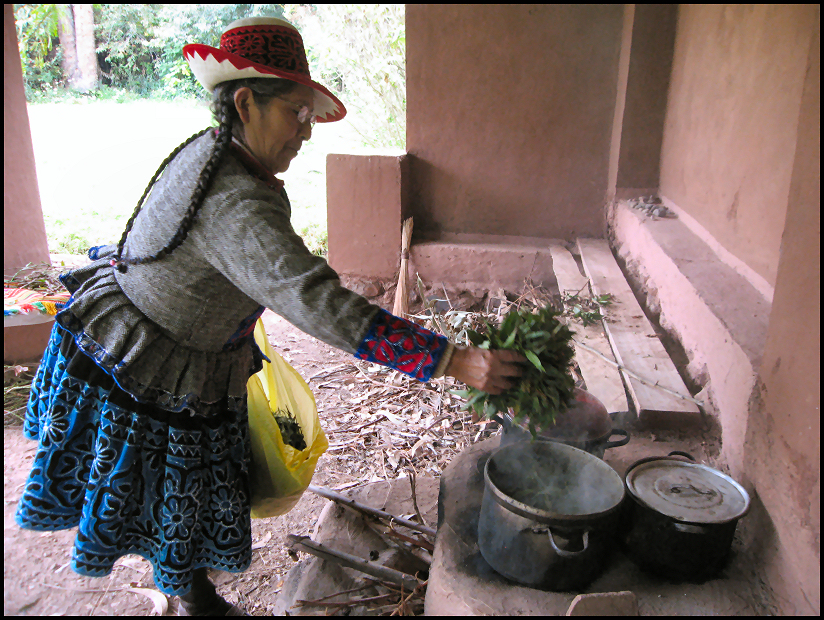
[[129, 45], [181, 24], [360, 51], [37, 39], [57, 47]]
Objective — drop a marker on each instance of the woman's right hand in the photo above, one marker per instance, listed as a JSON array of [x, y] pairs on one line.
[[489, 371]]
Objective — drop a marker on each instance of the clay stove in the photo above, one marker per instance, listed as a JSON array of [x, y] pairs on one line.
[[462, 583]]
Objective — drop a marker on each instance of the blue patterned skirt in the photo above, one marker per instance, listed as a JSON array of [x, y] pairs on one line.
[[134, 478]]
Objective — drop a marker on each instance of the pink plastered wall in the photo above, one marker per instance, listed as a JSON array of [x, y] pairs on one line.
[[732, 122]]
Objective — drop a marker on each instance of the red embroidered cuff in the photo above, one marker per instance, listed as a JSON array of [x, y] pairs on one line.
[[403, 346]]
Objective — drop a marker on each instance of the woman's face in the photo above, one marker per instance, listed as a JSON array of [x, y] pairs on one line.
[[272, 131]]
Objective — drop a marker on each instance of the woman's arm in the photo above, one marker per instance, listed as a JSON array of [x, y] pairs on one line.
[[248, 237]]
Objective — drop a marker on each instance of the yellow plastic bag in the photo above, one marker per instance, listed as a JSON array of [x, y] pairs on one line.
[[280, 474]]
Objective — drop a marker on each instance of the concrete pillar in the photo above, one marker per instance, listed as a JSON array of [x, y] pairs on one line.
[[24, 233], [647, 47]]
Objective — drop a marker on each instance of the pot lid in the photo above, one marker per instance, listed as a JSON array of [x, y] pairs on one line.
[[688, 492]]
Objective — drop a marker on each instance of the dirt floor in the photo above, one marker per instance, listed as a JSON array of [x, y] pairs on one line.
[[407, 424]]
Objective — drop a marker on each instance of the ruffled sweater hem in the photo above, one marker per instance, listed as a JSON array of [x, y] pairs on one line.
[[143, 358]]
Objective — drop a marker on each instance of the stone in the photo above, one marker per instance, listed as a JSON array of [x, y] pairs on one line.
[[367, 287], [604, 604], [370, 289]]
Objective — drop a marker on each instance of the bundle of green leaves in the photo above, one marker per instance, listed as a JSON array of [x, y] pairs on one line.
[[546, 386], [290, 430]]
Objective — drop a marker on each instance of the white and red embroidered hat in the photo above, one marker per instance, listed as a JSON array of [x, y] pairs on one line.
[[260, 47]]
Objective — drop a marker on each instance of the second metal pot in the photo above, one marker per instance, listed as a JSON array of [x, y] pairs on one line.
[[585, 425], [681, 518]]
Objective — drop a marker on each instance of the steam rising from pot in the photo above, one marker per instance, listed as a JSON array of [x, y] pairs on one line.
[[560, 480]]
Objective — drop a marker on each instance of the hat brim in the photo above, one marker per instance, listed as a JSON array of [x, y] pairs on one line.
[[212, 66]]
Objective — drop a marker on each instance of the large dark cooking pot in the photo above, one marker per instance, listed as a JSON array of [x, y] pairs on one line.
[[682, 516], [550, 514], [585, 425]]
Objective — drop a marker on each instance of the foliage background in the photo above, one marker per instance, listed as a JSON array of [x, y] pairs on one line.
[[357, 51], [92, 165]]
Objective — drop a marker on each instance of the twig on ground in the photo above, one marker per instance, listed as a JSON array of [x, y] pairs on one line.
[[328, 596], [373, 512], [417, 542], [304, 543], [330, 371], [412, 481], [349, 603], [401, 609]]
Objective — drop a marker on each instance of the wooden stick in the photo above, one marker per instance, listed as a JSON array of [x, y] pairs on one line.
[[368, 510], [349, 603], [401, 307], [636, 376], [304, 543], [412, 481]]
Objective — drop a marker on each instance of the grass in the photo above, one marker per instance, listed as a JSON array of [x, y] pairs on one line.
[[95, 157]]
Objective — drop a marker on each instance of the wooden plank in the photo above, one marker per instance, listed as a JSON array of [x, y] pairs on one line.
[[603, 380], [634, 341]]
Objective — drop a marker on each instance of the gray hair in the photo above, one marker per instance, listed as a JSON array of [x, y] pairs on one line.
[[264, 89]]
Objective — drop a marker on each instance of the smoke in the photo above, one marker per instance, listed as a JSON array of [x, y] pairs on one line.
[[555, 478]]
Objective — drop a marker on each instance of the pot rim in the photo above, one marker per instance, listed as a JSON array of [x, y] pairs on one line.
[[720, 474], [545, 516]]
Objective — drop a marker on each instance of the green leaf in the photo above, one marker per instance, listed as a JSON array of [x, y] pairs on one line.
[[474, 337], [541, 334], [534, 359], [510, 340], [476, 394]]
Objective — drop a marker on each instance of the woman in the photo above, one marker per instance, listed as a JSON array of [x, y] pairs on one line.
[[139, 404]]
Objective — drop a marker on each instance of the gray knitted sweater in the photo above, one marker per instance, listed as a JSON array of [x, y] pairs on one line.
[[165, 330]]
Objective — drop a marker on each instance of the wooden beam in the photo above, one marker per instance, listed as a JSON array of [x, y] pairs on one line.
[[635, 343], [603, 380]]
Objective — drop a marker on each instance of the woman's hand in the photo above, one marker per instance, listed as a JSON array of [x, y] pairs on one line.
[[489, 371]]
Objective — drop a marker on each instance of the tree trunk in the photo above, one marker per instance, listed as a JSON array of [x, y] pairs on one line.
[[65, 30], [86, 49]]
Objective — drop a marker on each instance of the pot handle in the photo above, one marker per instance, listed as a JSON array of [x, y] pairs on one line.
[[690, 528], [684, 454], [620, 442], [563, 552], [503, 420]]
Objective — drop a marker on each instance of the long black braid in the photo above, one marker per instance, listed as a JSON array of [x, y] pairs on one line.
[[225, 113]]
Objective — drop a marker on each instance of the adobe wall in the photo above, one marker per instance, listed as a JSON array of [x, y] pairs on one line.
[[24, 233], [731, 122], [784, 434], [509, 117]]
